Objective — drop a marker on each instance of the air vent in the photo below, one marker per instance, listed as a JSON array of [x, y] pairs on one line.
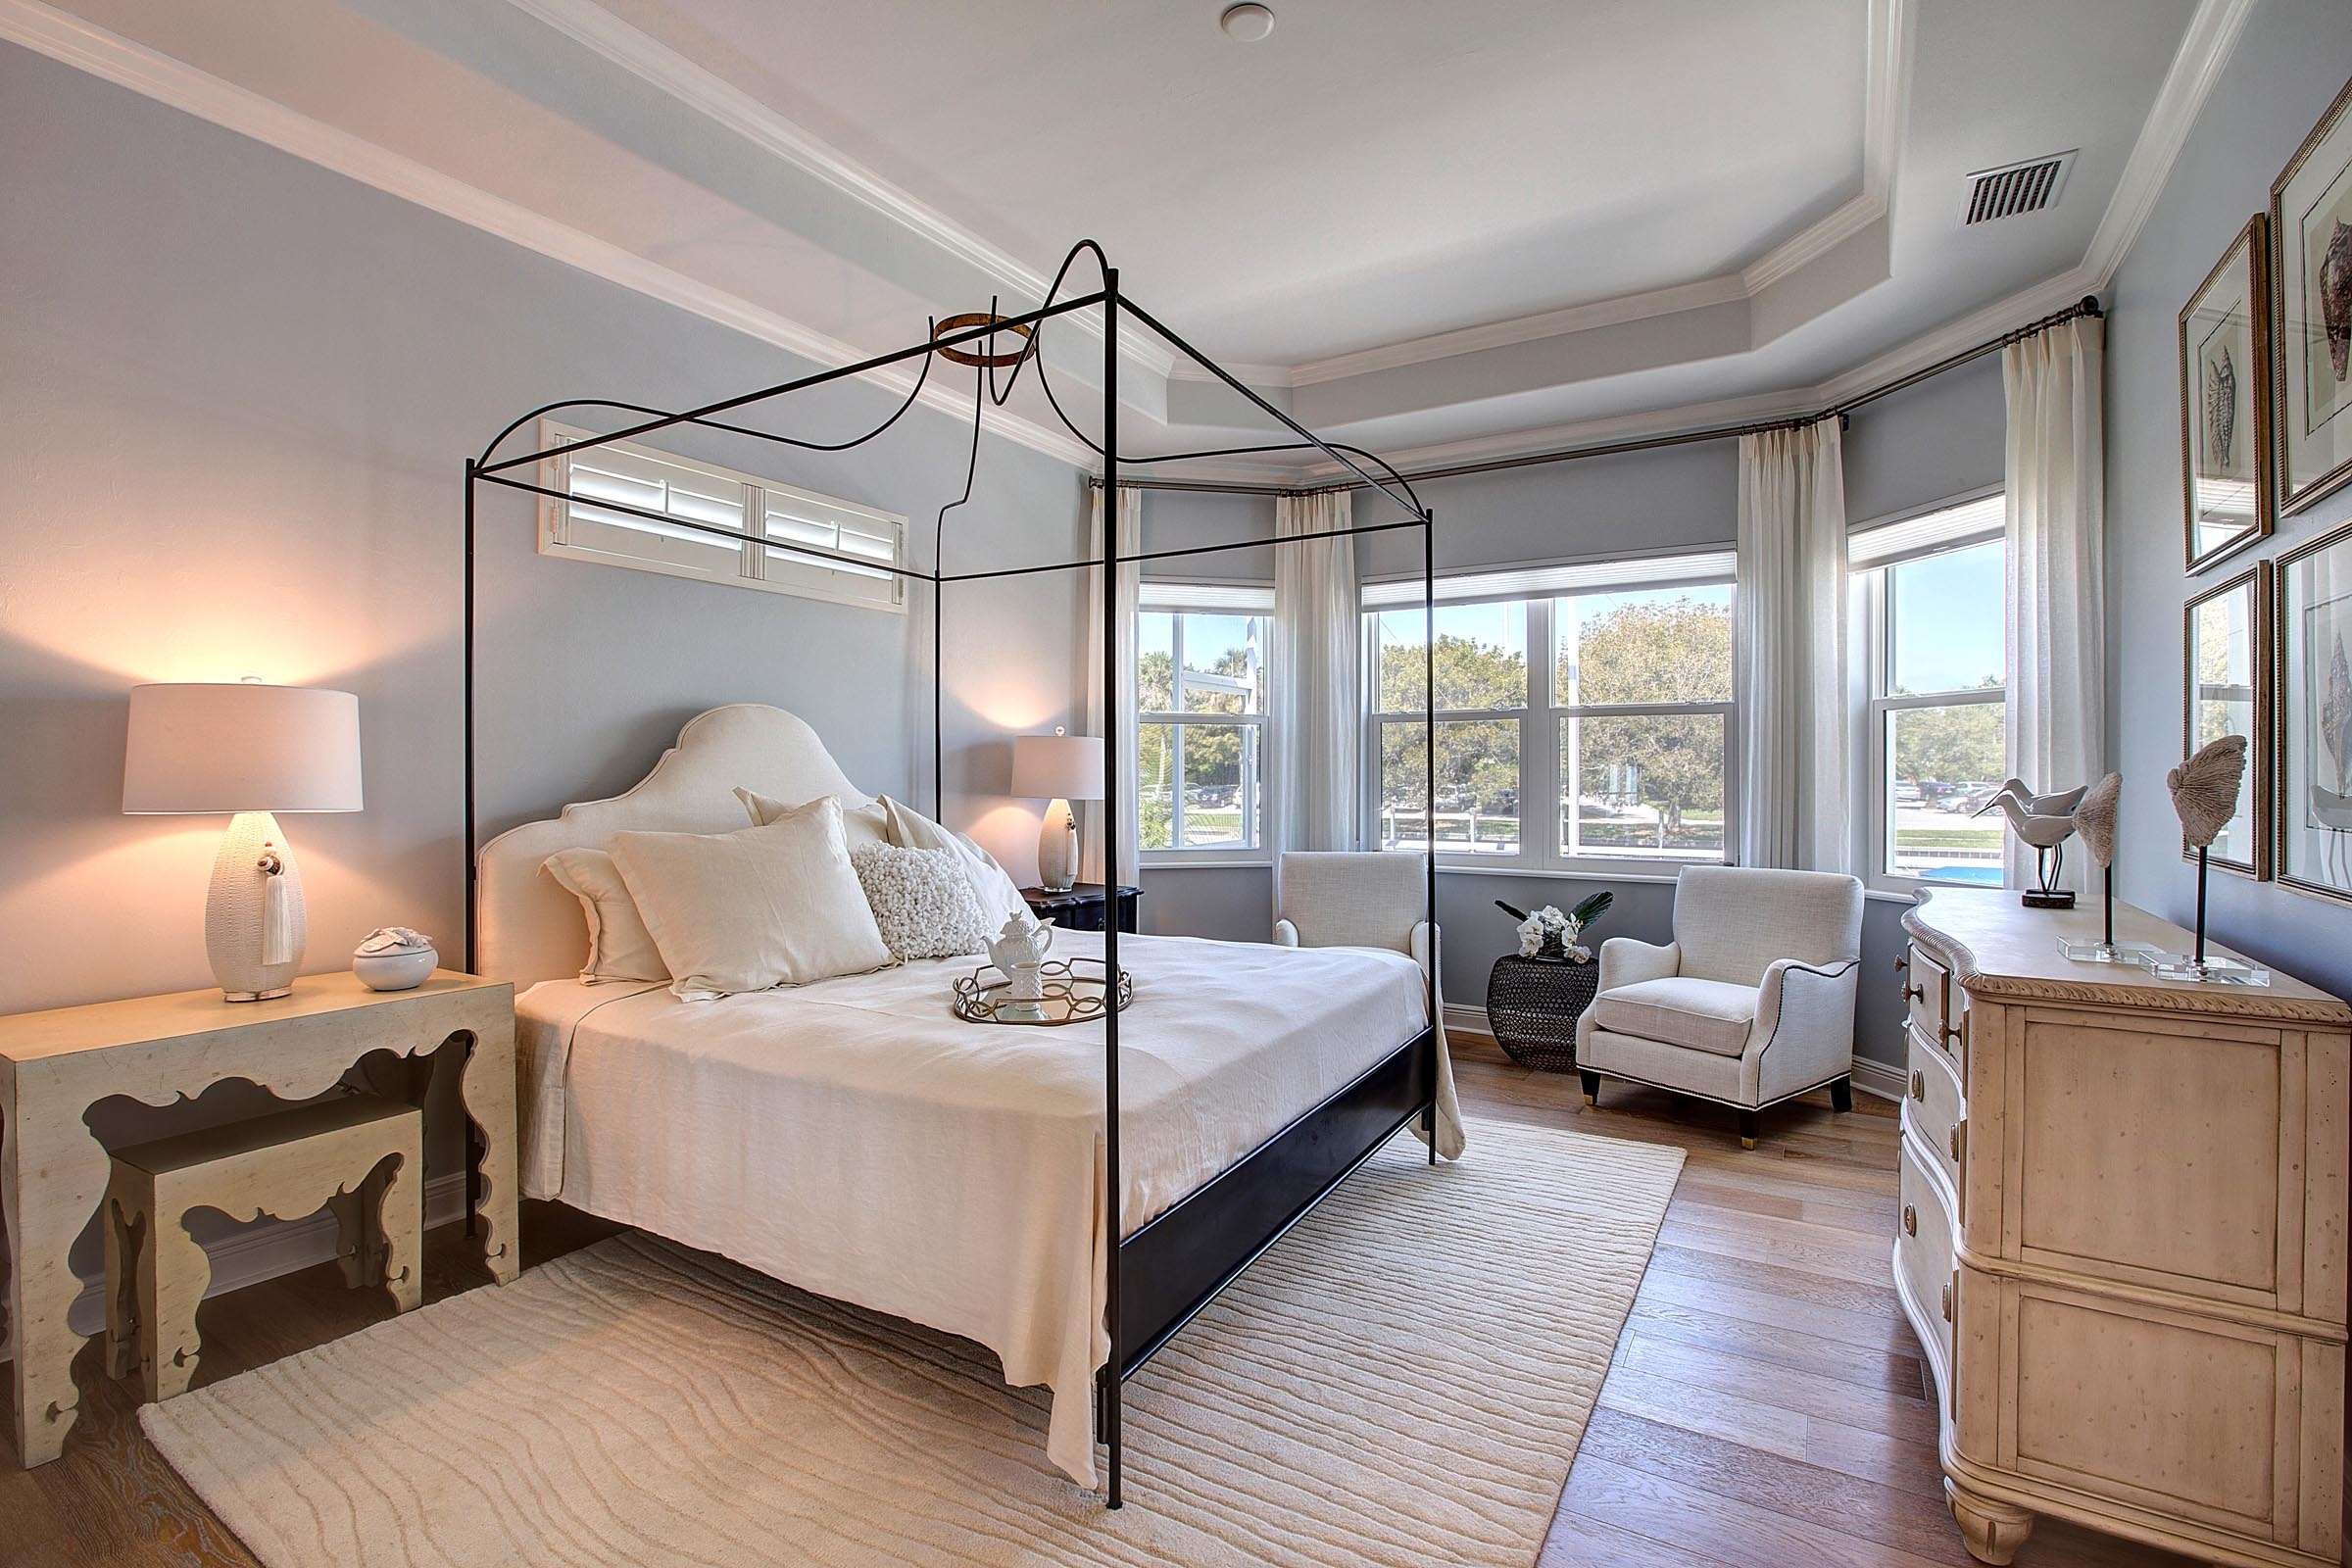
[[2025, 187]]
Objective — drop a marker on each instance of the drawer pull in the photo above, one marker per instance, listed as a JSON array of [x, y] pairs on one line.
[[1947, 1304], [1902, 961], [1919, 1083], [1915, 993], [1953, 1031], [1959, 1138], [1910, 1220]]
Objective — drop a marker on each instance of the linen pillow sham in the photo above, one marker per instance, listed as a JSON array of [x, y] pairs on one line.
[[620, 946], [921, 900], [859, 824], [756, 908]]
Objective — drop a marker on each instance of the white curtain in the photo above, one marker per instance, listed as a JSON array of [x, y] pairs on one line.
[[1090, 825], [2056, 597], [1314, 711], [1792, 769]]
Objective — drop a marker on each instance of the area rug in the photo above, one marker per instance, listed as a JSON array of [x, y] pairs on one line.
[[1403, 1380]]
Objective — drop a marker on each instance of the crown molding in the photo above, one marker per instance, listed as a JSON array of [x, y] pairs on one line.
[[167, 81], [1887, 92], [712, 95], [2205, 48]]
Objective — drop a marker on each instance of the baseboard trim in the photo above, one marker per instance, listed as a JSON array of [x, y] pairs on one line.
[[1877, 1078], [1468, 1015], [263, 1252]]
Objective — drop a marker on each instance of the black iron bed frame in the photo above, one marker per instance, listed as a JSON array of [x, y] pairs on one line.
[[1173, 1267]]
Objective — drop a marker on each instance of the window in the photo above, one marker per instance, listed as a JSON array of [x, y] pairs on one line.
[[1201, 695], [672, 503], [1613, 746], [1932, 588]]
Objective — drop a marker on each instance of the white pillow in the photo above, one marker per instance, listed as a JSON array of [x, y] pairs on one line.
[[759, 907], [859, 824], [620, 946], [921, 900], [911, 830]]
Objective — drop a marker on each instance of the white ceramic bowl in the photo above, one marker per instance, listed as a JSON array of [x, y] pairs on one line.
[[395, 971]]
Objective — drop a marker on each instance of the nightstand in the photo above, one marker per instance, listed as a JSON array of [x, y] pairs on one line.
[[1082, 907], [161, 1049]]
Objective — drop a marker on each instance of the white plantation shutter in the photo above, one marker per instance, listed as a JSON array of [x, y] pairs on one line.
[[695, 519], [1561, 577], [1930, 533]]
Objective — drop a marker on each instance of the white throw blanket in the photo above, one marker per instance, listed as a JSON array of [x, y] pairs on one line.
[[856, 1139]]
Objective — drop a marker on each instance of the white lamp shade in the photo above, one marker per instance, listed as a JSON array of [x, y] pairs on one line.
[[1064, 767], [203, 747]]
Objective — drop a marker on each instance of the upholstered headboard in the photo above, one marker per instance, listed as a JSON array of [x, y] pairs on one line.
[[529, 929]]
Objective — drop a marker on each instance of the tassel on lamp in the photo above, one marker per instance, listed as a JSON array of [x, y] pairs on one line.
[[248, 750]]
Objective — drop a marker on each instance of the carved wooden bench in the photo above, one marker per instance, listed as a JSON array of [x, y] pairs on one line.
[[364, 1157]]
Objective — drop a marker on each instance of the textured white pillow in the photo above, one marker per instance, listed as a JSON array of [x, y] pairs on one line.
[[911, 830], [747, 911], [620, 946], [922, 901], [859, 824]]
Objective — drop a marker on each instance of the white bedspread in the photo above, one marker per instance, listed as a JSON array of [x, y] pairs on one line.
[[857, 1140]]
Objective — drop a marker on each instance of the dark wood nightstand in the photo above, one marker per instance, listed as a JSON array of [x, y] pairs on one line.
[[1081, 907]]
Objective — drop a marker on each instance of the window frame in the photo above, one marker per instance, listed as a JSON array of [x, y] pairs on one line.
[[1544, 720], [1245, 600], [751, 550], [1872, 609]]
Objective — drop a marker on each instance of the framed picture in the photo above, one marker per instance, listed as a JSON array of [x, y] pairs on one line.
[[2313, 826], [2225, 690], [2311, 311], [2226, 401]]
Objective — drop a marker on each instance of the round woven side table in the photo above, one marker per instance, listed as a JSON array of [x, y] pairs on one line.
[[1533, 1004]]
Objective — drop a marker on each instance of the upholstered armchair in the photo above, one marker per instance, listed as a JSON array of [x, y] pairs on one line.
[[1341, 899], [1752, 1003]]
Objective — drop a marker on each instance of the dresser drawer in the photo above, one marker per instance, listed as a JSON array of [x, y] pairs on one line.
[[1923, 1264], [1924, 985], [1933, 1110]]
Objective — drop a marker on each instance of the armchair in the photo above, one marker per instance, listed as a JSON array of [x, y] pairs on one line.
[[1344, 899], [1752, 1003]]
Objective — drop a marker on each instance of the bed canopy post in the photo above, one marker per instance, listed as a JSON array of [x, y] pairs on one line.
[[473, 841], [1429, 785], [1113, 1189]]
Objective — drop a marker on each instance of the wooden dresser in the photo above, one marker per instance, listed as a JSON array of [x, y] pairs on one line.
[[2122, 1236]]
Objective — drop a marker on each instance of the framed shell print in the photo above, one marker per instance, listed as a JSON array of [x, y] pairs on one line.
[[2312, 833], [2226, 401], [2311, 311], [2225, 690]]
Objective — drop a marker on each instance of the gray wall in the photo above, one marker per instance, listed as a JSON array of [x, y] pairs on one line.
[[237, 393], [1940, 439], [2288, 66]]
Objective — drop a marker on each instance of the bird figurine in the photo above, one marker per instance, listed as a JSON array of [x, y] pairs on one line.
[[2044, 823]]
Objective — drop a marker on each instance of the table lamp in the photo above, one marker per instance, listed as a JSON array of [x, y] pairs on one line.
[[1057, 768], [249, 749]]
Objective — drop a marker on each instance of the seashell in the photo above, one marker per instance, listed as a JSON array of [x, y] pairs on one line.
[[2094, 817], [2205, 789]]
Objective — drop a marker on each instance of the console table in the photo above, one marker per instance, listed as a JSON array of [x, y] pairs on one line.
[[161, 1049], [2122, 1236]]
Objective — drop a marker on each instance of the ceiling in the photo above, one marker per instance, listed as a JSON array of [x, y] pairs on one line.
[[1442, 230]]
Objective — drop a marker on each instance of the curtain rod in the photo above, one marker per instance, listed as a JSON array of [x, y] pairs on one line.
[[2087, 306]]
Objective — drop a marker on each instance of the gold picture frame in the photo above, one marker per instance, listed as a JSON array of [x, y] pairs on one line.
[[2226, 685], [2311, 637], [2311, 311], [2225, 403]]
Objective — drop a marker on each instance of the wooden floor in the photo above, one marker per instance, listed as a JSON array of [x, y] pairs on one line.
[[1767, 1406]]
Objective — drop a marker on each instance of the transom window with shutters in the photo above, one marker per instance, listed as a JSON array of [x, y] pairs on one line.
[[624, 505], [1931, 589], [1611, 745]]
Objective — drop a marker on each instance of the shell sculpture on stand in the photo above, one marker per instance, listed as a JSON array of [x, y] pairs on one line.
[[2095, 818], [2205, 798]]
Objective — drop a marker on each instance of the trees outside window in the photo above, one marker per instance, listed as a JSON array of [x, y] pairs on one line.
[[1200, 696]]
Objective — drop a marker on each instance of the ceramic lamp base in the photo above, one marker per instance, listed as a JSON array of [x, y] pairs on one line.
[[253, 949], [1058, 849]]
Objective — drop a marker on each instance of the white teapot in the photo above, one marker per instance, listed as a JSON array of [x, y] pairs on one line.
[[1019, 949]]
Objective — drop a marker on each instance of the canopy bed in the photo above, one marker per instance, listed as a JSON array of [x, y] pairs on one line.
[[893, 1156]]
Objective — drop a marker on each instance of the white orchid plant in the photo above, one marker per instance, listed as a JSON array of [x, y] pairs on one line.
[[1549, 934]]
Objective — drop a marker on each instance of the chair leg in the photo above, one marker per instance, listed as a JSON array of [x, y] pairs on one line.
[[1747, 1129], [1842, 1095], [1591, 1087]]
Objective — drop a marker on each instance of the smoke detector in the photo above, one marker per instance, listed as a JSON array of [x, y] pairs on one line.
[[1247, 23], [2014, 189]]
